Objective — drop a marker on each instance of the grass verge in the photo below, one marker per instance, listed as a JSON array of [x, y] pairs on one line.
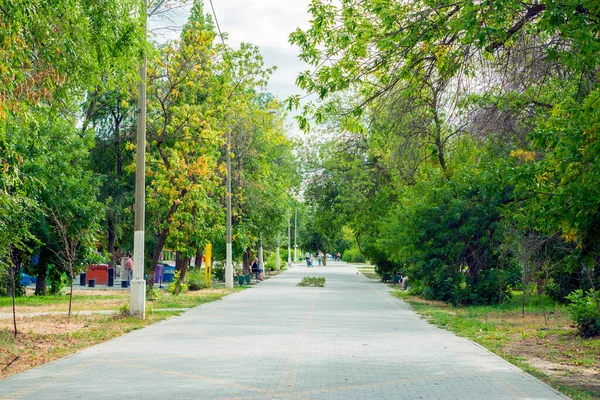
[[46, 338], [369, 272], [548, 349], [191, 299], [42, 339]]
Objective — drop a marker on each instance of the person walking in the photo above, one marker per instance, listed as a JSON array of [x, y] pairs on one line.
[[308, 260], [129, 264]]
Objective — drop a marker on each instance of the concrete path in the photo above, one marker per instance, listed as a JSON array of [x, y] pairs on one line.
[[348, 340]]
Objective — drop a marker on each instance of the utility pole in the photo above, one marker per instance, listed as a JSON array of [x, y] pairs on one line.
[[295, 237], [228, 250], [137, 294], [277, 259], [261, 261], [289, 263]]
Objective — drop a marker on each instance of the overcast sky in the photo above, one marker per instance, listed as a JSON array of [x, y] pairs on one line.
[[267, 24]]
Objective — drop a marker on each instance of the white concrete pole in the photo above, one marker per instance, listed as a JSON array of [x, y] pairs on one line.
[[295, 237], [289, 262], [277, 259], [137, 293], [261, 261], [228, 248]]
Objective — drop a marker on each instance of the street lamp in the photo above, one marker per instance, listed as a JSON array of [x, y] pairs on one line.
[[228, 249], [289, 263], [295, 237]]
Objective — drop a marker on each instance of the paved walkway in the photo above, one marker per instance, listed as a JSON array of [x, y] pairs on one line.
[[348, 340]]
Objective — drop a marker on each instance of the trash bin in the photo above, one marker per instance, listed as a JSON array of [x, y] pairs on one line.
[[168, 273], [124, 284], [111, 277], [82, 279], [240, 280], [92, 283], [248, 279], [158, 273]]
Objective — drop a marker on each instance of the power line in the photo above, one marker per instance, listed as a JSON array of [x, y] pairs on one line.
[[226, 52]]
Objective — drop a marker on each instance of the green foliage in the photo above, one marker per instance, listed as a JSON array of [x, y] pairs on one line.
[[312, 281], [195, 279], [585, 311], [271, 260], [353, 255], [456, 131], [58, 280], [219, 271], [177, 281]]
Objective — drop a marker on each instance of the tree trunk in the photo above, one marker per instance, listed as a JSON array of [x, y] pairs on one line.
[[325, 259], [40, 284], [246, 263], [13, 276], [181, 266], [158, 247], [162, 238], [111, 238], [71, 295], [118, 147]]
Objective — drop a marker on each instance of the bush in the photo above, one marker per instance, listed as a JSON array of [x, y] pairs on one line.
[[58, 279], [177, 279], [219, 271], [196, 279], [585, 311], [358, 258], [353, 255], [271, 260], [4, 283]]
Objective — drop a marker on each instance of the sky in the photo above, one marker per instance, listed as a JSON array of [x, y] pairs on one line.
[[264, 23]]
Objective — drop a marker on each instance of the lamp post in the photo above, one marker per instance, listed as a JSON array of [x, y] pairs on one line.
[[261, 261], [228, 249], [295, 237], [289, 262]]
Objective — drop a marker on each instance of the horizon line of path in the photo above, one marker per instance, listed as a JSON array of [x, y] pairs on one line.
[[348, 340]]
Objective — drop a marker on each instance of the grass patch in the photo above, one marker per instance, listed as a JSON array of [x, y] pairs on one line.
[[100, 300], [549, 350], [191, 299], [312, 281], [369, 272], [47, 338]]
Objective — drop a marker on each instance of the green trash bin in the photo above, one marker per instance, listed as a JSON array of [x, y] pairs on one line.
[[248, 277], [240, 280]]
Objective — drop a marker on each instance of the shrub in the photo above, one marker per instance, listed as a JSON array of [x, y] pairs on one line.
[[271, 260], [353, 255], [358, 258], [177, 279], [585, 311], [58, 279], [196, 279], [219, 271], [312, 281]]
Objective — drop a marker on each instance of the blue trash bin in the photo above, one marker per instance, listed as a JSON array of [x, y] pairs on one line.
[[168, 273]]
